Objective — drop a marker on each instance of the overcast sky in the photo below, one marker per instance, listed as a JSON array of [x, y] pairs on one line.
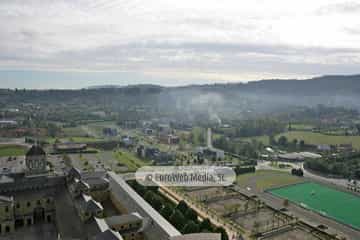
[[79, 43]]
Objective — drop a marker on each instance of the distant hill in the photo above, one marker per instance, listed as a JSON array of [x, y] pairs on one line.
[[231, 98], [332, 84]]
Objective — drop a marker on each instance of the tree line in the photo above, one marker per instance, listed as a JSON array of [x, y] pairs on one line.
[[180, 215]]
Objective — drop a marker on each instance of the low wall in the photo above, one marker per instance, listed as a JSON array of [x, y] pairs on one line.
[[155, 226]]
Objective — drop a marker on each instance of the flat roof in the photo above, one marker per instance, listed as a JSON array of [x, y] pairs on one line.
[[123, 219], [15, 165], [151, 212], [198, 236]]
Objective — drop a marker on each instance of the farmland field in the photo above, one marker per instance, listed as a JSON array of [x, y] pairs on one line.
[[341, 206], [318, 138]]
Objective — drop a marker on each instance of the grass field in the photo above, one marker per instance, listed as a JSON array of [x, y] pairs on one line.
[[74, 131], [263, 139], [265, 179], [129, 160], [12, 150], [299, 126], [318, 138], [343, 207]]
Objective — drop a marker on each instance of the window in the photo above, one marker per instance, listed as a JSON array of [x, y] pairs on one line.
[[38, 202], [18, 205], [6, 209], [48, 201], [28, 204]]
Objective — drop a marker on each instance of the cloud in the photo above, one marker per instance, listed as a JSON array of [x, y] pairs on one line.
[[345, 7], [181, 39]]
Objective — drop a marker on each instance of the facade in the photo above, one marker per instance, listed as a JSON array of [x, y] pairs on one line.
[[27, 192], [210, 153], [35, 160], [169, 139], [111, 132]]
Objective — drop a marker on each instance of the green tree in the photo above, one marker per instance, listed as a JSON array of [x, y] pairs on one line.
[[283, 141], [191, 215], [177, 219], [182, 207], [149, 196], [205, 226], [166, 211], [190, 227], [157, 202], [224, 235]]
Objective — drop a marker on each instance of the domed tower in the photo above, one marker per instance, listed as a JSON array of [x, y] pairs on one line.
[[35, 160]]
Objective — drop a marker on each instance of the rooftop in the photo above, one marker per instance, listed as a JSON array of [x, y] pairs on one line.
[[198, 236], [35, 150], [123, 219]]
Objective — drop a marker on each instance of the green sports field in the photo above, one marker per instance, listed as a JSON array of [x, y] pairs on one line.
[[341, 206]]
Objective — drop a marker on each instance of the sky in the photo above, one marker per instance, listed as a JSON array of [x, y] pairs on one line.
[[81, 43]]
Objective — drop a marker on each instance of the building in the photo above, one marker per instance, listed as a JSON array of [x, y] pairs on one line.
[[198, 236], [27, 191], [111, 132], [148, 131], [127, 141], [169, 139], [69, 147], [31, 194], [164, 158], [154, 226], [345, 147], [210, 153], [7, 123], [323, 147], [298, 156], [35, 160]]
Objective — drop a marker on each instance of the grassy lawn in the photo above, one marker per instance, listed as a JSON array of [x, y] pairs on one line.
[[263, 139], [265, 179], [83, 139], [130, 160], [344, 207], [74, 131], [197, 131], [12, 150], [299, 126], [318, 138]]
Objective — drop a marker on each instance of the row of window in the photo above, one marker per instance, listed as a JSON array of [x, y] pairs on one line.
[[38, 202], [28, 204]]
